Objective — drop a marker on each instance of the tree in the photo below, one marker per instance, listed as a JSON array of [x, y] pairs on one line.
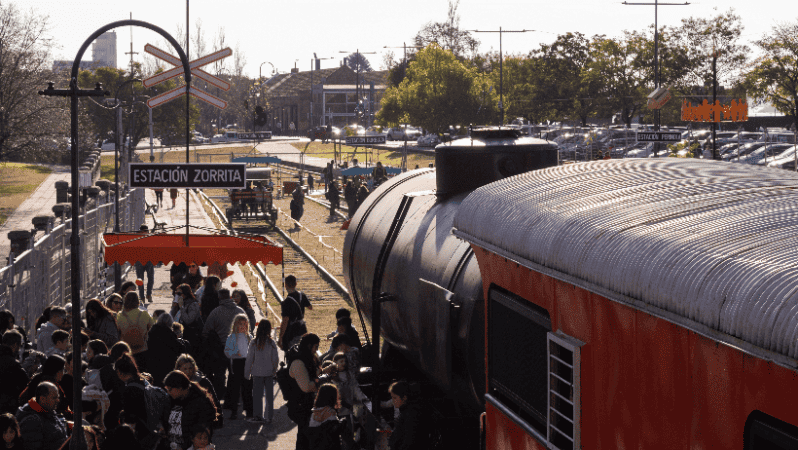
[[448, 35], [439, 91], [32, 127], [357, 62], [774, 75]]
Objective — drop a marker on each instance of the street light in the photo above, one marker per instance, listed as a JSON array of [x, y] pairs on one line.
[[501, 60], [357, 86], [117, 271], [314, 63]]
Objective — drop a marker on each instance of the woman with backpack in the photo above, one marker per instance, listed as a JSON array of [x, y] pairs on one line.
[[261, 366], [133, 326]]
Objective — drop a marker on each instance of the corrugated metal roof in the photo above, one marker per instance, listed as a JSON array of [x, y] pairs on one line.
[[714, 243]]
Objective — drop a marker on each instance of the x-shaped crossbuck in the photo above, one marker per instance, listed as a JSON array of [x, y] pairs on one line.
[[195, 72]]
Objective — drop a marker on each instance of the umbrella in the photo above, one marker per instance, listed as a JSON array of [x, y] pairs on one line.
[[257, 159]]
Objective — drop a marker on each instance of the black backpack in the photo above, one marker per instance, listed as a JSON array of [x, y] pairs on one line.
[[288, 385]]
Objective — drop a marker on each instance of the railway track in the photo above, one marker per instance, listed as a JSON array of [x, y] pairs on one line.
[[311, 252]]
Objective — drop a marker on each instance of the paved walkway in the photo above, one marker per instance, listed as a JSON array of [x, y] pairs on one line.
[[236, 434], [40, 202]]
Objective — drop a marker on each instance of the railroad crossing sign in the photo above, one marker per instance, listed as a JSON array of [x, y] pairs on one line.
[[659, 136], [195, 71]]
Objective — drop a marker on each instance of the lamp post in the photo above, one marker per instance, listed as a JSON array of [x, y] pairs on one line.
[[501, 63], [359, 64], [117, 269], [314, 64]]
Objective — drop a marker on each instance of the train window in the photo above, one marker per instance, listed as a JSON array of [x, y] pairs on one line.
[[517, 356], [767, 432], [564, 389]]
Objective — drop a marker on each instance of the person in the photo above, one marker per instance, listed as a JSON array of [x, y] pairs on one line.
[[190, 314], [324, 428], [97, 354], [173, 196], [297, 204], [409, 431], [159, 196], [44, 340], [351, 337], [44, 318], [90, 438], [122, 437], [210, 296], [340, 344], [191, 406], [362, 193], [350, 196], [310, 182], [60, 340], [127, 286], [261, 367], [133, 326], [186, 364], [133, 396], [201, 438], [176, 274], [33, 362], [52, 372], [101, 323], [378, 171], [8, 322], [279, 128], [293, 314], [340, 312], [111, 383], [334, 196], [235, 349], [67, 380], [12, 437], [13, 378], [347, 383], [147, 268], [328, 133], [304, 369], [241, 299], [164, 348], [291, 128], [214, 335], [40, 426], [114, 303]]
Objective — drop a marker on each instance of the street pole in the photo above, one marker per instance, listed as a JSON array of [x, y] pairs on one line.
[[117, 144], [501, 65]]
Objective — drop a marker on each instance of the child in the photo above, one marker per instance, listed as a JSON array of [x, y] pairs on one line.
[[236, 348], [347, 385], [261, 366], [11, 434], [60, 343], [201, 438]]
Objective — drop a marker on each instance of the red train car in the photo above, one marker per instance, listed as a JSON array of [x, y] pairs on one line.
[[639, 304]]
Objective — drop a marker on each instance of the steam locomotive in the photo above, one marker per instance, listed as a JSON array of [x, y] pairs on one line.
[[610, 304]]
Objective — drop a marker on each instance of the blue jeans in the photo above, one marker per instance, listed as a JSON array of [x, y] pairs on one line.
[[259, 384]]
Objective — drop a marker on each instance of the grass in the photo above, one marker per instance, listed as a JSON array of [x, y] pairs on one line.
[[17, 182], [386, 157]]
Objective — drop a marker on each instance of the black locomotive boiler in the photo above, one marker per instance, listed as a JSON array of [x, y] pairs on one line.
[[399, 246]]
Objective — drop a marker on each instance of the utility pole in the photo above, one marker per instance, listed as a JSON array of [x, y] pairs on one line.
[[656, 6], [501, 63], [359, 61]]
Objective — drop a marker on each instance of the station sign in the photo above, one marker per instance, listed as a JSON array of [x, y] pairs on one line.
[[364, 140], [188, 176], [659, 136]]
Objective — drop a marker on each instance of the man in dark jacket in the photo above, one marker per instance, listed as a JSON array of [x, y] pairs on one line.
[[334, 196], [41, 428], [13, 378], [350, 196], [218, 326]]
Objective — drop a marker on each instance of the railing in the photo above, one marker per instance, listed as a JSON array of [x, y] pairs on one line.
[[41, 276]]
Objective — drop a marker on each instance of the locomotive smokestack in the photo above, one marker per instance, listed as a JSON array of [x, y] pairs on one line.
[[488, 155]]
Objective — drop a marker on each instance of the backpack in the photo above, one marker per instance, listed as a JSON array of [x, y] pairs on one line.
[[295, 328], [135, 335], [288, 385], [158, 405]]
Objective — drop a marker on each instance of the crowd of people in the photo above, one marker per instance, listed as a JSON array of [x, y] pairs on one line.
[[161, 381]]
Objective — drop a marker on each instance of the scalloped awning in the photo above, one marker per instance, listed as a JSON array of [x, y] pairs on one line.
[[202, 248]]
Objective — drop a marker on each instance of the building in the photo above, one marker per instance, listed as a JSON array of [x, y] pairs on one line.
[[334, 100], [103, 53]]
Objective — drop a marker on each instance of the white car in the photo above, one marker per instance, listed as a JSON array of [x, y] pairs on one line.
[[402, 133], [429, 140]]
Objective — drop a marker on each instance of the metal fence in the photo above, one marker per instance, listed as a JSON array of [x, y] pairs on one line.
[[41, 276]]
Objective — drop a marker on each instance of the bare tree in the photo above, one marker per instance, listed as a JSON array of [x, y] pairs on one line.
[[448, 35]]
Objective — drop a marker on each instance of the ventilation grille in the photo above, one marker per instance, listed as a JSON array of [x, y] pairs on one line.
[[564, 404]]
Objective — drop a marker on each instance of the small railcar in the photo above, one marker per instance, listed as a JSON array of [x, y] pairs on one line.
[[638, 304]]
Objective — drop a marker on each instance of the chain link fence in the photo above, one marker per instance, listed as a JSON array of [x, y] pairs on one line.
[[42, 276]]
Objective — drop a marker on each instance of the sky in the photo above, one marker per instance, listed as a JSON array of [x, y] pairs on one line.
[[279, 35]]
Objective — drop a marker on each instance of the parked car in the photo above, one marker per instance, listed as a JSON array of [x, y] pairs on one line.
[[763, 154], [353, 130], [403, 132], [320, 132], [784, 160], [429, 140]]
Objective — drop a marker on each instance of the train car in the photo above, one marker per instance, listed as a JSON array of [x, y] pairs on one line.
[[399, 246], [647, 304]]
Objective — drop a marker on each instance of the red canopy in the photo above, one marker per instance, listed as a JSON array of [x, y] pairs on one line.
[[201, 248]]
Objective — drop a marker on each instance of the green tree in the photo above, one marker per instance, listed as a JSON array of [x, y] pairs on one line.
[[774, 75], [439, 91]]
